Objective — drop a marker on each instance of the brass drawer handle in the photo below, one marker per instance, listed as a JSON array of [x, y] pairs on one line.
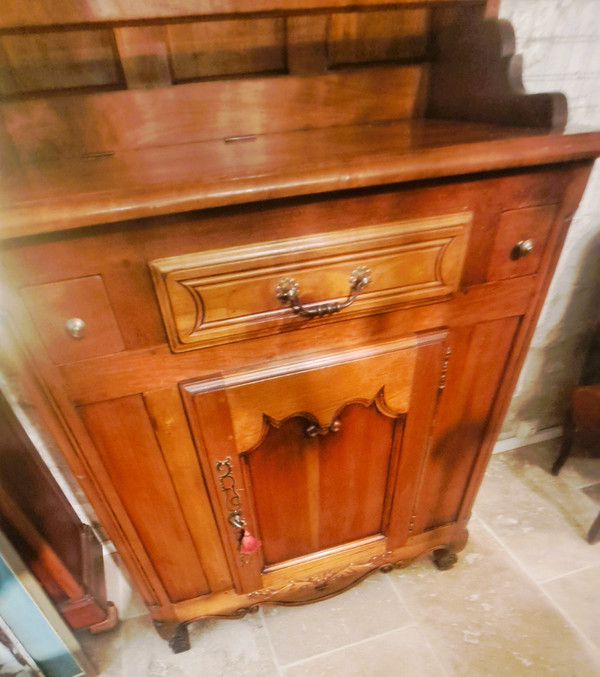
[[521, 249], [287, 293]]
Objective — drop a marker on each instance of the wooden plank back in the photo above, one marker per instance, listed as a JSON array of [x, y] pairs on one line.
[[58, 60], [397, 34], [73, 126], [117, 54], [44, 13]]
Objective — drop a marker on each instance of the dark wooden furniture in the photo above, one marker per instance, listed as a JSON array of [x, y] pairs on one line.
[[274, 322], [583, 414], [594, 532], [63, 554]]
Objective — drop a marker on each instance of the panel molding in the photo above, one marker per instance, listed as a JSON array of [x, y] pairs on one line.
[[224, 295]]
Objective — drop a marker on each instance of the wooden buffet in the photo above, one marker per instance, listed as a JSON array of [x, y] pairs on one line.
[[274, 321]]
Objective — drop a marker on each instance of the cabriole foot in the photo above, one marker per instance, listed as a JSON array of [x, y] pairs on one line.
[[444, 559], [175, 633]]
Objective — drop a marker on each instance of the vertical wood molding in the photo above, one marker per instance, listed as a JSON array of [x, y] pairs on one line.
[[306, 44], [8, 85], [144, 56]]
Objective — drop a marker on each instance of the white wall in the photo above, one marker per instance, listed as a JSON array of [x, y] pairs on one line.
[[560, 44]]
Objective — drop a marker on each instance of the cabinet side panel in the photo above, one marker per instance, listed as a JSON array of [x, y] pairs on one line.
[[170, 425], [475, 368], [429, 373], [126, 443]]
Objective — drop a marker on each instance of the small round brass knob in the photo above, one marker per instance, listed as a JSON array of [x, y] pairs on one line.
[[75, 327], [521, 249]]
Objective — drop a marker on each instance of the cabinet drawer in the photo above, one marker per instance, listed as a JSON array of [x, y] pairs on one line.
[[225, 295], [520, 242], [74, 318]]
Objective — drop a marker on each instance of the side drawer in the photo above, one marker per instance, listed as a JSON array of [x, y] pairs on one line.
[[520, 242], [225, 295], [74, 318]]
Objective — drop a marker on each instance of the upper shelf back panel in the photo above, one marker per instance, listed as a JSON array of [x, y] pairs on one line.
[[56, 48], [39, 13]]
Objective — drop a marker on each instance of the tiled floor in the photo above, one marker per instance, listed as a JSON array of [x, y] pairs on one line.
[[524, 599]]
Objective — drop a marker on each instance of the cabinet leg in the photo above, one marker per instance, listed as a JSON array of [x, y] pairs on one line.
[[445, 558], [567, 442], [175, 633], [594, 533]]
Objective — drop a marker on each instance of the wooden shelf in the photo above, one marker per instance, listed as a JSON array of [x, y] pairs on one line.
[[73, 193]]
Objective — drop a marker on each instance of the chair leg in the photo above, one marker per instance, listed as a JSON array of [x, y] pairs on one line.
[[594, 532], [567, 443]]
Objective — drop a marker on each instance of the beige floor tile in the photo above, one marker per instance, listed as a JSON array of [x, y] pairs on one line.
[[578, 594], [486, 618], [237, 647], [565, 494], [541, 519], [581, 469], [400, 653], [366, 610], [104, 650]]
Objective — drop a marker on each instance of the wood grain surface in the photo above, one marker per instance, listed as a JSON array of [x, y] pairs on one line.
[[345, 446], [40, 13], [71, 194]]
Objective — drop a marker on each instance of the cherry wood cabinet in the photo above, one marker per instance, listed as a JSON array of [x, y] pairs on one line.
[[274, 322]]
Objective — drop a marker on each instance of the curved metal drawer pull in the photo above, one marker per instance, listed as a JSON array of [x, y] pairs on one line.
[[287, 293]]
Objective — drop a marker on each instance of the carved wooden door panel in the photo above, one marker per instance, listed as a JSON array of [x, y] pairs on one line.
[[318, 458]]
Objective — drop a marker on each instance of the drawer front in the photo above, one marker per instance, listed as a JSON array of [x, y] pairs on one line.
[[74, 318], [520, 242], [225, 295]]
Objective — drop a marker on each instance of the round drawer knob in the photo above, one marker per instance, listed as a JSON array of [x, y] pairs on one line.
[[75, 327], [521, 249]]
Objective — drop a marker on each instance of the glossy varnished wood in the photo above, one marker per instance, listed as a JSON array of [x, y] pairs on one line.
[[226, 295], [304, 494], [265, 168], [169, 47], [346, 444], [40, 13], [338, 472], [125, 440], [90, 124]]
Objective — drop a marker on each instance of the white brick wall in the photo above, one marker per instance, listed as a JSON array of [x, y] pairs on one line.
[[560, 44]]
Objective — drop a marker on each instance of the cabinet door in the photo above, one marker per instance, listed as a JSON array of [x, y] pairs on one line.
[[318, 458]]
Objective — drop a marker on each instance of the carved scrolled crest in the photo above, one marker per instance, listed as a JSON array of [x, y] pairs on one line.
[[477, 77], [317, 428]]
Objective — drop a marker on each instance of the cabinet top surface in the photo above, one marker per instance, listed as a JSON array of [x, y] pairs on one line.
[[427, 90], [136, 183]]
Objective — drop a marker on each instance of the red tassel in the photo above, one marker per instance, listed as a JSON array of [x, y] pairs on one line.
[[249, 544]]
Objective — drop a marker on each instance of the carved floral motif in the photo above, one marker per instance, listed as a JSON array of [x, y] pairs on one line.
[[325, 580]]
